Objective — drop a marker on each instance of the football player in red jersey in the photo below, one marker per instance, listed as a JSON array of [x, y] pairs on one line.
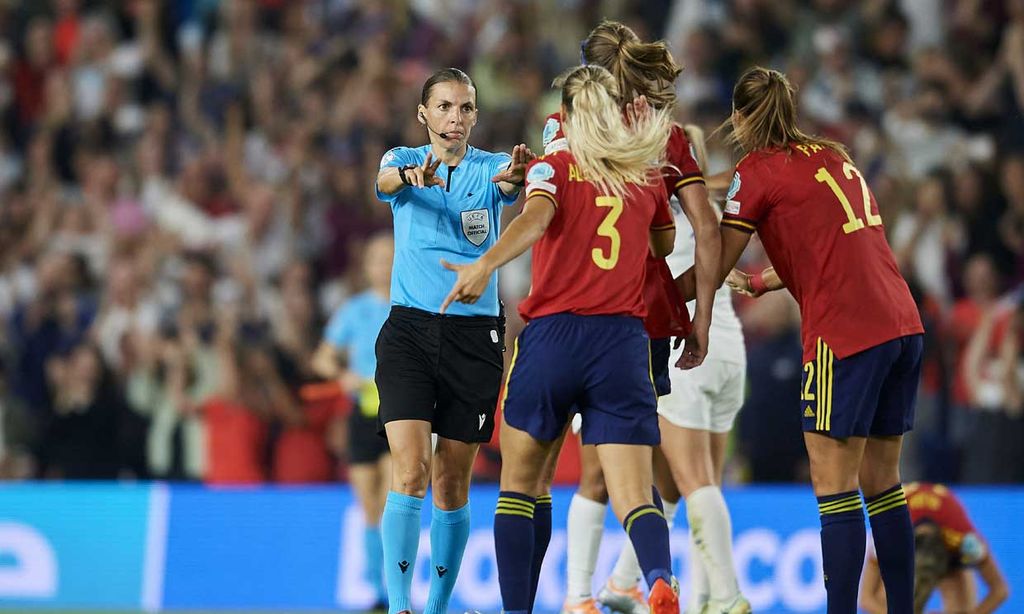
[[648, 69], [592, 214], [948, 550], [861, 330]]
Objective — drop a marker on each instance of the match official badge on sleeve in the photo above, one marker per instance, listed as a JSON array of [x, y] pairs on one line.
[[388, 158], [733, 206]]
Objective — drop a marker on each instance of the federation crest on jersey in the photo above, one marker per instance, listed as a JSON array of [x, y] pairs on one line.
[[388, 158], [733, 206], [550, 130], [476, 225], [542, 171]]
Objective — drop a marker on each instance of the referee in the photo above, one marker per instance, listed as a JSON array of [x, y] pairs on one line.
[[439, 373]]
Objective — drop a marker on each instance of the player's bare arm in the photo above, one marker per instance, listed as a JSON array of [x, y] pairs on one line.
[[393, 179], [756, 284], [511, 179], [872, 592], [520, 235], [697, 208], [662, 241], [733, 243], [998, 588]]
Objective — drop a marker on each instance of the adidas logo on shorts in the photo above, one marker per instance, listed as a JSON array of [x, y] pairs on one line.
[[808, 412]]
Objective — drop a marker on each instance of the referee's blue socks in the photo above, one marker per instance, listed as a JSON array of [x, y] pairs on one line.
[[842, 549], [648, 531], [400, 532], [893, 534], [541, 539], [514, 540], [449, 532], [374, 552]]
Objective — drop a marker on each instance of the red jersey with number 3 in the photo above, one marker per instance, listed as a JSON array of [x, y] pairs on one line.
[[666, 309], [590, 260], [820, 227]]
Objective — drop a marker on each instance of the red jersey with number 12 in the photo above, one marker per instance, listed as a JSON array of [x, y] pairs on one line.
[[590, 260], [820, 228]]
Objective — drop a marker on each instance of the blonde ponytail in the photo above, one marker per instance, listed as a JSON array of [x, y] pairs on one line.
[[610, 153]]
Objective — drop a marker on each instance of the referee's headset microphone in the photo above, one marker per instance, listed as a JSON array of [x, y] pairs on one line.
[[443, 135]]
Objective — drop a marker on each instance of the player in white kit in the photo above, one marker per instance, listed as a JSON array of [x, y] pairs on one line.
[[695, 420]]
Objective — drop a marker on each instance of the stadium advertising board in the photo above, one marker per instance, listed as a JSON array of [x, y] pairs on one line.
[[187, 547]]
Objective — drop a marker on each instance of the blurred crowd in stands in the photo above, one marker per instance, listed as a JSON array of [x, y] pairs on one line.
[[186, 187]]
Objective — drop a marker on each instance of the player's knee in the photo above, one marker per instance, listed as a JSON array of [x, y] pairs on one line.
[[594, 490], [688, 484], [411, 477], [874, 480], [450, 490]]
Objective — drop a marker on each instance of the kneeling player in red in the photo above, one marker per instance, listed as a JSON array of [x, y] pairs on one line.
[[594, 212], [947, 551]]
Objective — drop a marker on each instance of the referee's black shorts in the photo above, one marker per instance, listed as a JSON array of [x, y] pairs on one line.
[[443, 369]]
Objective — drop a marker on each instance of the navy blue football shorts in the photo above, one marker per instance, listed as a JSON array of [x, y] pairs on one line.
[[600, 365], [870, 393], [661, 351]]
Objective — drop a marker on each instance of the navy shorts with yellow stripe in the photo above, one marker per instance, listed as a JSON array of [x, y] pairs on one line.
[[600, 365], [870, 393]]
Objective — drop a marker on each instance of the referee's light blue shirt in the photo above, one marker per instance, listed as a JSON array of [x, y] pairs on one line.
[[458, 223], [354, 328]]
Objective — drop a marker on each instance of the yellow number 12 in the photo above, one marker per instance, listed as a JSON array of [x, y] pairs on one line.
[[853, 223], [607, 229]]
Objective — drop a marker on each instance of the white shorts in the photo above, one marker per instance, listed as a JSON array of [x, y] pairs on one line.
[[706, 398]]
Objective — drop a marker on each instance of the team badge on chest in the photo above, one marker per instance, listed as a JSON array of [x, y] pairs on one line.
[[476, 225]]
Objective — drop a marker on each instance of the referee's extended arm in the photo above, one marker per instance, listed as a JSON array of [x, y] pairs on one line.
[[522, 233], [390, 180]]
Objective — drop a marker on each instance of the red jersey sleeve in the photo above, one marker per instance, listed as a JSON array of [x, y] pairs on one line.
[[546, 177], [681, 167], [553, 138], [747, 200]]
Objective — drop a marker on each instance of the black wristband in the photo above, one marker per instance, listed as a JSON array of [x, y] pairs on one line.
[[401, 173]]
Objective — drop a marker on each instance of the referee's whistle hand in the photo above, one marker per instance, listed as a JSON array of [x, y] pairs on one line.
[[470, 284]]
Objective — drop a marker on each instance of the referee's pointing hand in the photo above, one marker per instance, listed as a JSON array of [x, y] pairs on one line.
[[425, 176], [471, 283], [515, 172]]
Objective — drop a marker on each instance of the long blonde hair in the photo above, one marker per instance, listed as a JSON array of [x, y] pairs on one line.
[[610, 153], [765, 100], [639, 68]]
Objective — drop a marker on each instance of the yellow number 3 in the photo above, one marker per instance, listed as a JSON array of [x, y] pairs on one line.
[[607, 229], [853, 223]]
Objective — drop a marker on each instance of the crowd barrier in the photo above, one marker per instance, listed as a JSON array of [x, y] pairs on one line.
[[157, 546]]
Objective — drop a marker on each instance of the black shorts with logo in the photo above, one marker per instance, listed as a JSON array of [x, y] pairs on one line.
[[443, 369], [365, 444]]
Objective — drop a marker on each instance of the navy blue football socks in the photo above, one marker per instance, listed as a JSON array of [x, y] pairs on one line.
[[842, 549], [541, 539], [648, 531], [514, 539], [893, 534]]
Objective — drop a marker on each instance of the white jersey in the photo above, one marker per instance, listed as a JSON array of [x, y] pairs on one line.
[[725, 341]]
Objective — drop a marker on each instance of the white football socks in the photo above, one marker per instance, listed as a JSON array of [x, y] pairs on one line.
[[711, 534], [585, 528]]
